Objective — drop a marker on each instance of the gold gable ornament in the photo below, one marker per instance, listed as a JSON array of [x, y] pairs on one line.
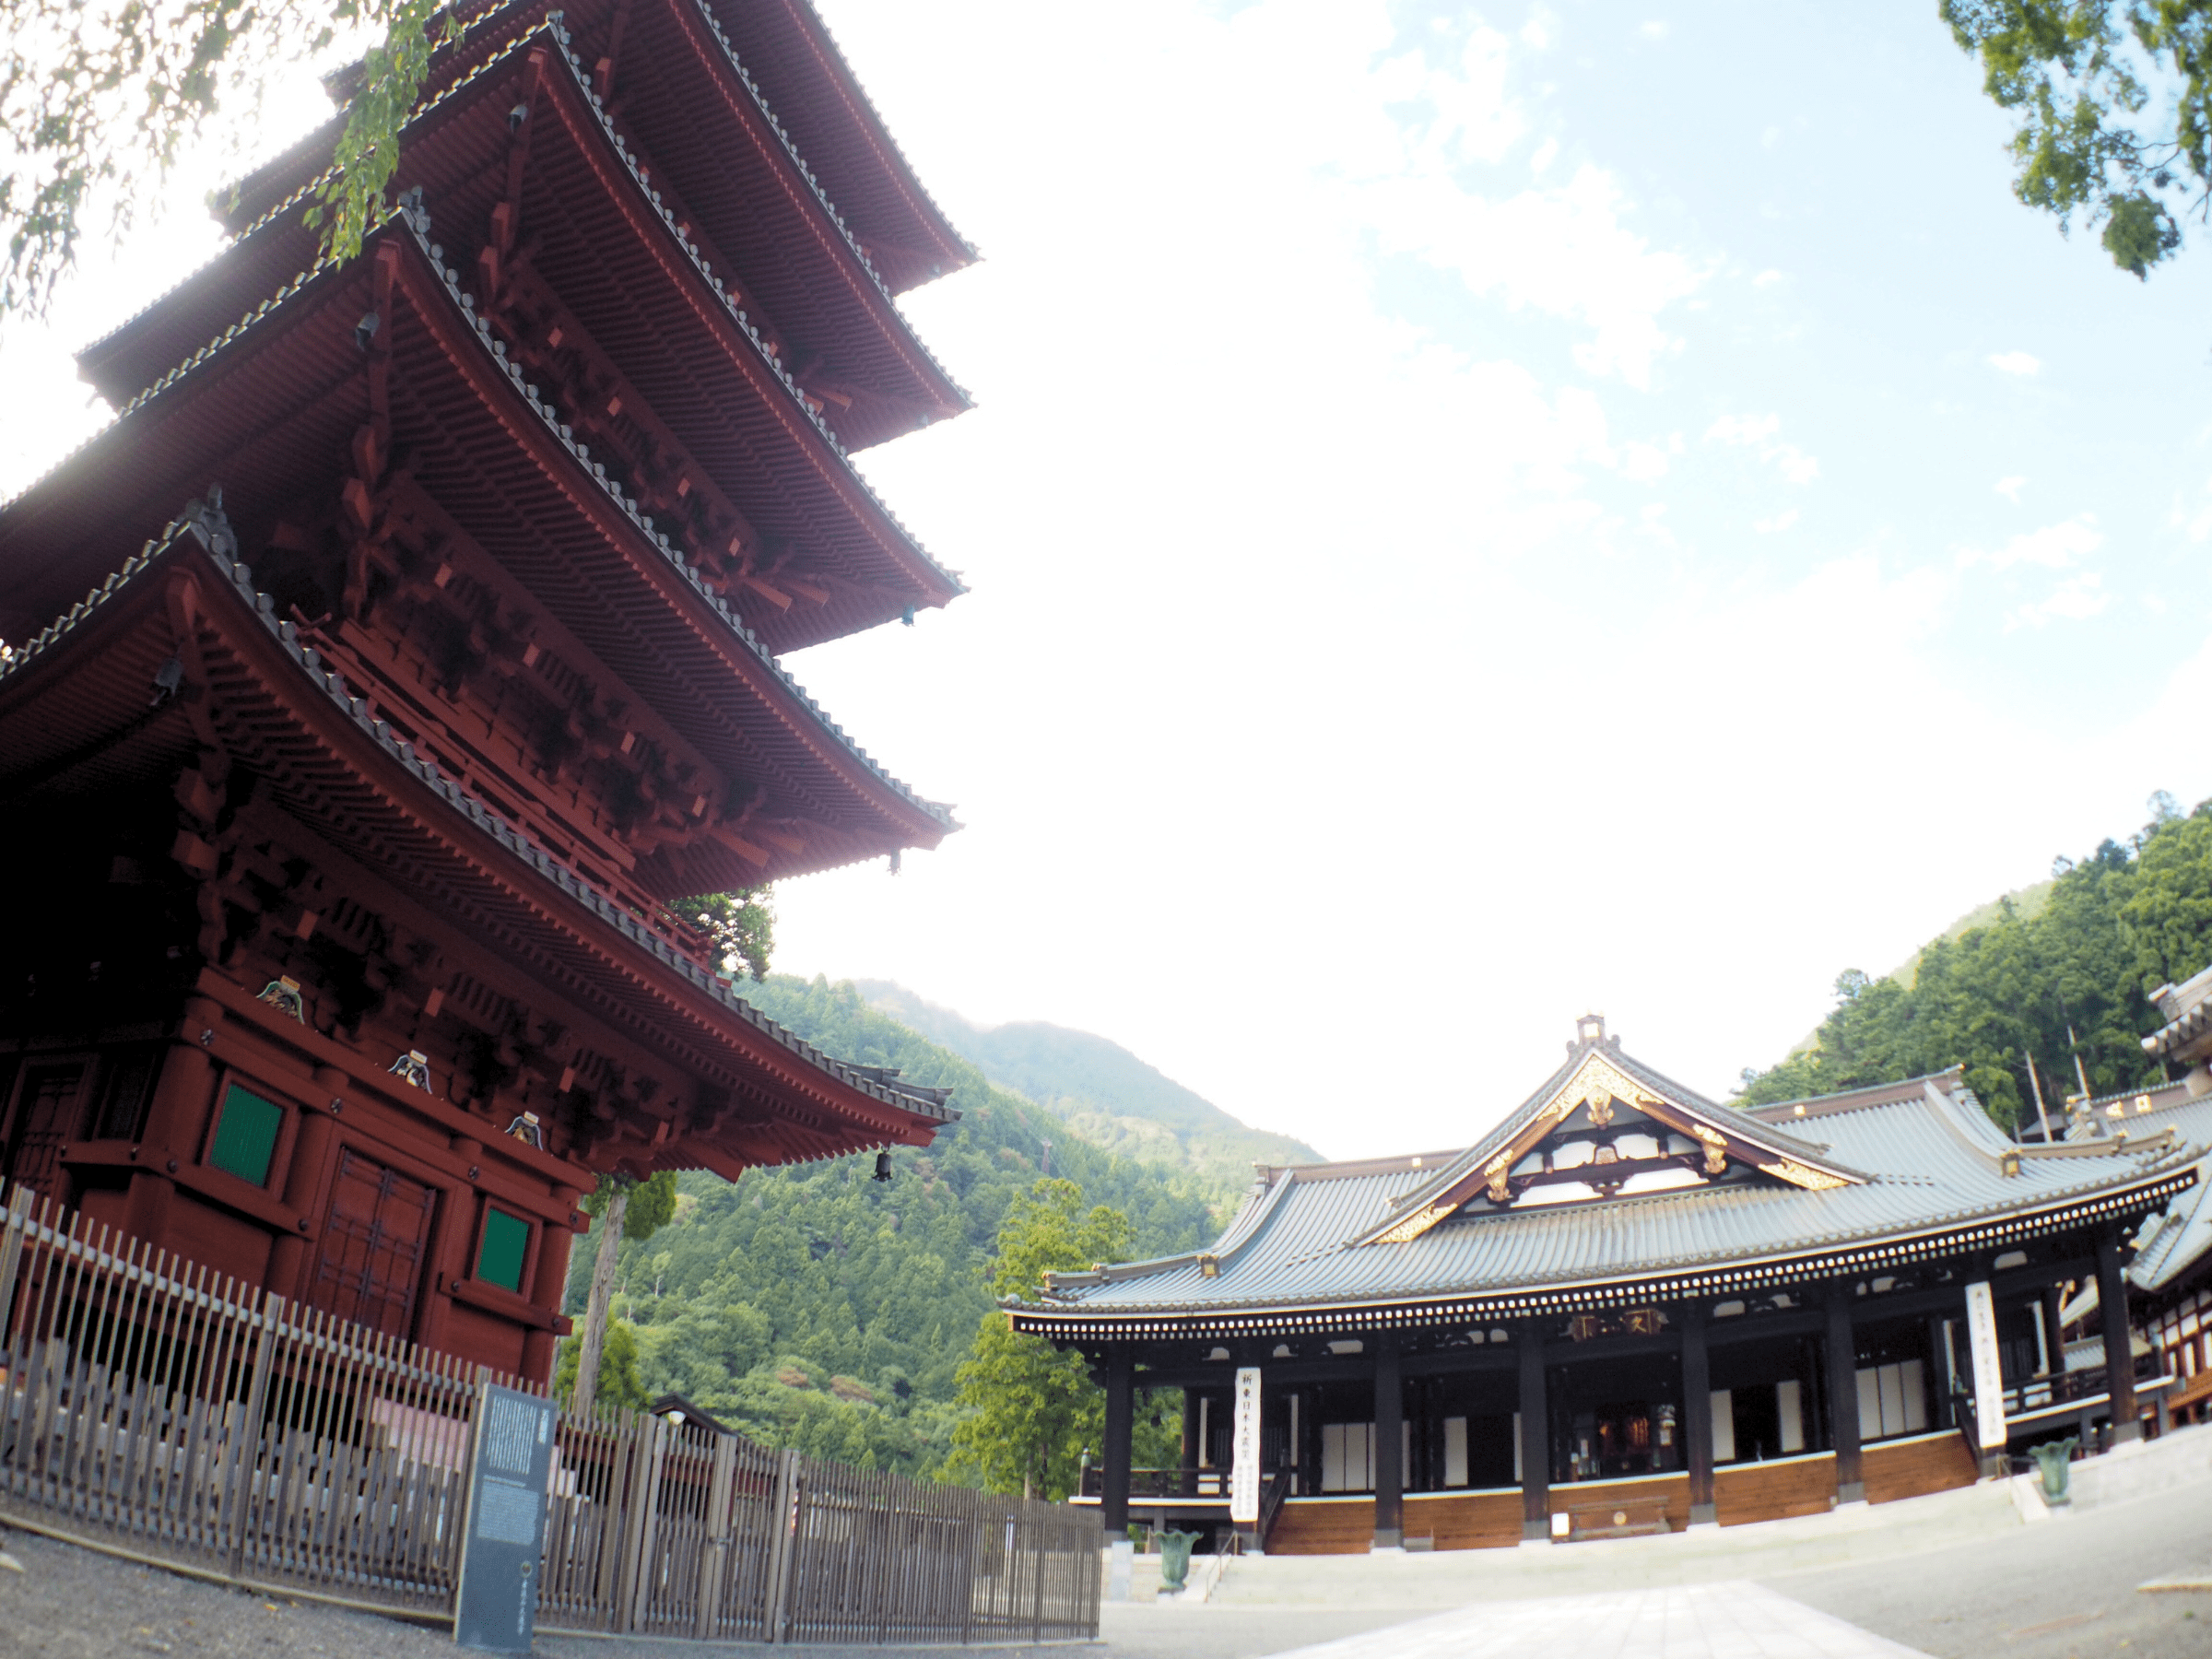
[[1414, 1225], [1494, 1174], [1796, 1174], [1716, 1148]]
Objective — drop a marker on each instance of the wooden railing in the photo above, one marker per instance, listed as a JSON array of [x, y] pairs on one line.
[[158, 1410], [2063, 1388], [1161, 1483]]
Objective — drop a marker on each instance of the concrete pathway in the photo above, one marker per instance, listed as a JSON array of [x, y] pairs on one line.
[[1728, 1620]]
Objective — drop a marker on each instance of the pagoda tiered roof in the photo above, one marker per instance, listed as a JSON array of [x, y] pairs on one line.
[[701, 127], [833, 122], [1869, 1182], [183, 621], [626, 322], [487, 459]]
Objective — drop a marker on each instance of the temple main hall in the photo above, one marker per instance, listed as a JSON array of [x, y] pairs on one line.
[[411, 646], [1627, 1309]]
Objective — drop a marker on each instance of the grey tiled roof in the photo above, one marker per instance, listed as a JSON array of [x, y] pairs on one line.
[[1931, 1162], [2184, 1234]]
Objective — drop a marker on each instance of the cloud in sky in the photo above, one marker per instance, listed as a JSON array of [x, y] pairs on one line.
[[2075, 599], [2053, 548], [1758, 432], [2010, 488], [2015, 362]]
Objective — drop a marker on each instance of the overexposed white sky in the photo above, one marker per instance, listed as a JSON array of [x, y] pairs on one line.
[[1475, 516]]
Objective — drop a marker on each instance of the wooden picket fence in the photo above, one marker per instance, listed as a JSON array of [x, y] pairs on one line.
[[157, 1410]]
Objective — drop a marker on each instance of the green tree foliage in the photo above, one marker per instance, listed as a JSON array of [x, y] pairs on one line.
[[96, 99], [621, 1381], [2114, 111], [813, 1307], [2071, 982], [742, 924], [650, 1207], [1033, 1410]]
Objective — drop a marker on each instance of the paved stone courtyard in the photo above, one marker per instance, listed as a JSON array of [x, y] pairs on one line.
[[1952, 1577]]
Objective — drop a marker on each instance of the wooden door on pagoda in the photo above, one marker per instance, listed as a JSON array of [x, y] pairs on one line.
[[45, 1114], [375, 1238]]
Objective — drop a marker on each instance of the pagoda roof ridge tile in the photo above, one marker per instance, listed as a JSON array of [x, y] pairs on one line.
[[751, 331], [883, 127], [204, 526], [296, 197], [415, 223], [417, 226], [759, 96]]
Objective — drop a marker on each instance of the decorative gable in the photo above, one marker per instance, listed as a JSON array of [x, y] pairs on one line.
[[1606, 1125]]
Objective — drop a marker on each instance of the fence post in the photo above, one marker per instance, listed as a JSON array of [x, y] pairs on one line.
[[245, 1449], [783, 1552], [715, 1559], [638, 1582], [11, 1255], [1037, 1609]]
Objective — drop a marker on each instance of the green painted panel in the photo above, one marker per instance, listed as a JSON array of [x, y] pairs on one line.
[[245, 1137], [506, 1240]]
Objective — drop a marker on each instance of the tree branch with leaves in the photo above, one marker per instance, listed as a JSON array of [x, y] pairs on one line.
[[2114, 111], [97, 100]]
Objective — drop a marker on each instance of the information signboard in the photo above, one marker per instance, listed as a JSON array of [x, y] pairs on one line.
[[1989, 1376], [1244, 1457], [509, 1467]]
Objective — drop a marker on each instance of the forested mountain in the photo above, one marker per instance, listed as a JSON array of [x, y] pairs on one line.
[[2056, 973], [1102, 1090], [813, 1307]]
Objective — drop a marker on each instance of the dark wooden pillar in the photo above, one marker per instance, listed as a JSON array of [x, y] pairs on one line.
[[1113, 1505], [2054, 1326], [2119, 1349], [1696, 1416], [1843, 1396], [173, 1120], [1536, 1437], [1390, 1444], [547, 1286], [1190, 1442]]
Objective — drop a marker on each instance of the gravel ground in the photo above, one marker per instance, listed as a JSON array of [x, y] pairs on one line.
[[2065, 1590], [69, 1603]]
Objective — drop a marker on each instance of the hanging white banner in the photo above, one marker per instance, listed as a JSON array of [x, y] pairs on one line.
[[1244, 1457], [1989, 1376]]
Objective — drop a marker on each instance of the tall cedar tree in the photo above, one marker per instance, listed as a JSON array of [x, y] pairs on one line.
[[1035, 1410]]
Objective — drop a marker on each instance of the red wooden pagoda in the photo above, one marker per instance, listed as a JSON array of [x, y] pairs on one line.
[[348, 810]]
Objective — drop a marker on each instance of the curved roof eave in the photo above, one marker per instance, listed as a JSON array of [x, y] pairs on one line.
[[206, 529]]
